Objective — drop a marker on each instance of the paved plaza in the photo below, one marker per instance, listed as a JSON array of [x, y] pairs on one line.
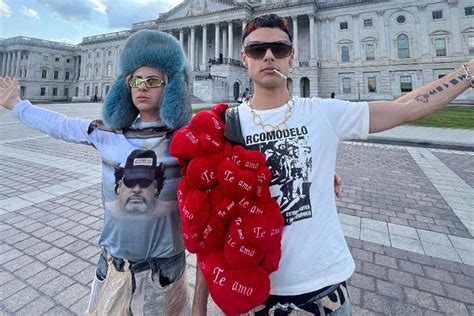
[[407, 213]]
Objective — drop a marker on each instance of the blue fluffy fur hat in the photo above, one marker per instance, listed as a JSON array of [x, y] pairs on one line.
[[158, 50]]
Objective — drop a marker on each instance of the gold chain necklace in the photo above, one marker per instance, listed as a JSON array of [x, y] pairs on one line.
[[257, 119]]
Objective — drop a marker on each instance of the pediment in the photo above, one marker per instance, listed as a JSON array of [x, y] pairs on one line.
[[192, 8]]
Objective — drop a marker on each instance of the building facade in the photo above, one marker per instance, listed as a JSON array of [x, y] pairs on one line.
[[364, 49]]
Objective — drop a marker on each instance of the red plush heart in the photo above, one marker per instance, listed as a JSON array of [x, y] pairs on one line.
[[238, 253], [208, 122], [247, 159], [271, 261], [213, 235], [264, 230], [196, 209], [220, 108], [185, 144], [182, 192], [264, 176], [226, 210], [201, 172], [211, 144], [191, 239], [248, 287], [234, 181]]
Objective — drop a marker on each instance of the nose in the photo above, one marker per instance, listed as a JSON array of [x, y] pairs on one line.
[[269, 55], [137, 188], [142, 86]]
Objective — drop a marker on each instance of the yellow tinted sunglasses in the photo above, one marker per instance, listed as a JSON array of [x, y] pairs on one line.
[[151, 82]]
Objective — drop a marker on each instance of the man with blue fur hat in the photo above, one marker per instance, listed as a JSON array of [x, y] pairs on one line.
[[141, 267]]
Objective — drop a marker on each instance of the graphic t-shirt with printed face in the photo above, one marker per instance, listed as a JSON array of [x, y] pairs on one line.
[[302, 160]]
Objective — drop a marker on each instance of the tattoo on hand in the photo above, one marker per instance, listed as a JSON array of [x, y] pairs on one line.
[[425, 98]]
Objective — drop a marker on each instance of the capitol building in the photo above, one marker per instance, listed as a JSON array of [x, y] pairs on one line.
[[362, 49]]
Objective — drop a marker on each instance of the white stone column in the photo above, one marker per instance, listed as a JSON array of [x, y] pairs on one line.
[[422, 33], [14, 63], [294, 19], [244, 25], [181, 38], [224, 42], [204, 48], [332, 37], [312, 55], [456, 29], [231, 39], [217, 42], [4, 64], [355, 28], [193, 48], [383, 39]]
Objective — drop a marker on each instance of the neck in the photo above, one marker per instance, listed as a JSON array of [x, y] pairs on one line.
[[149, 117], [265, 99]]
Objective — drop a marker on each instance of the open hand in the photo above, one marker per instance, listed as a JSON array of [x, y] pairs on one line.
[[9, 92]]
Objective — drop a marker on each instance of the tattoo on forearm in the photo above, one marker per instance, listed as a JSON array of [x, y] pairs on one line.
[[425, 98]]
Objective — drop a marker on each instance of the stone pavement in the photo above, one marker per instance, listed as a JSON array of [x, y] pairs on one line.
[[407, 212]]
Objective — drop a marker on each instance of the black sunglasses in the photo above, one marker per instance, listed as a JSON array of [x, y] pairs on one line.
[[258, 50], [144, 183]]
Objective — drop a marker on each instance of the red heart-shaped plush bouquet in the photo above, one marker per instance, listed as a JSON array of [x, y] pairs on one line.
[[228, 216]]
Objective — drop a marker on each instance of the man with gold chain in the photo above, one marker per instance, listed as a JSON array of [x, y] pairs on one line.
[[315, 260]]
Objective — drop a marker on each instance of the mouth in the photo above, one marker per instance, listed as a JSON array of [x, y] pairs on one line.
[[135, 199], [269, 70], [142, 98]]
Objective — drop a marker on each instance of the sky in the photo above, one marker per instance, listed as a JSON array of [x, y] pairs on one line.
[[69, 21]]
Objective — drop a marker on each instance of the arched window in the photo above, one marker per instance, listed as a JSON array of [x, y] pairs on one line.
[[304, 87], [403, 46]]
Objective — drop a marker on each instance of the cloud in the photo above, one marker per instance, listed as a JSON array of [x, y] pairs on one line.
[[30, 12], [71, 10], [5, 9], [123, 13], [98, 6]]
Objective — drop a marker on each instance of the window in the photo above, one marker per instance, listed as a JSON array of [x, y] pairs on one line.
[[88, 90], [345, 54], [401, 19], [370, 52], [346, 86], [441, 76], [469, 11], [405, 84], [66, 92], [43, 91], [372, 84], [88, 71], [55, 91], [56, 59], [45, 57], [56, 74], [440, 45], [89, 55], [470, 45], [68, 60], [343, 26], [109, 69], [403, 46], [76, 91], [26, 72], [66, 76], [98, 54], [107, 88], [367, 22], [44, 73], [97, 71], [109, 53], [437, 14]]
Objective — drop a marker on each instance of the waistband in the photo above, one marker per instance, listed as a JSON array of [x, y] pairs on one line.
[[154, 264]]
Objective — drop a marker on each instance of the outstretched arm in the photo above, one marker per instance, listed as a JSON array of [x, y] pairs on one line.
[[420, 102]]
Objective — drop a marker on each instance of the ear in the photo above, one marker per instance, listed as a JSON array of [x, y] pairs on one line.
[[244, 59]]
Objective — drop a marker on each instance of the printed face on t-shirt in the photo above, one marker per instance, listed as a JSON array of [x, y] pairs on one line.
[[136, 198]]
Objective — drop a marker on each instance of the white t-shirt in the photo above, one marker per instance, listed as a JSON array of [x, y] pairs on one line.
[[302, 159]]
